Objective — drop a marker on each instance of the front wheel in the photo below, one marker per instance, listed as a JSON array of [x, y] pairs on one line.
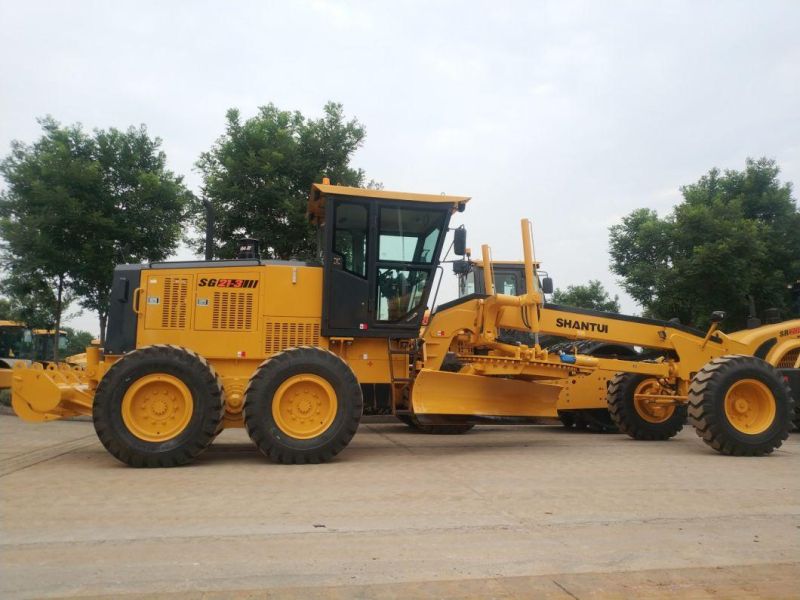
[[302, 406], [640, 419], [740, 406]]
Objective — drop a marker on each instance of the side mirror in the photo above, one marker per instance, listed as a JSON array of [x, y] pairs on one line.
[[717, 316], [460, 241], [461, 267], [547, 285]]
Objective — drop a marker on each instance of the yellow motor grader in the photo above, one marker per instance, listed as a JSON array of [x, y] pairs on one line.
[[291, 350], [583, 402], [20, 344]]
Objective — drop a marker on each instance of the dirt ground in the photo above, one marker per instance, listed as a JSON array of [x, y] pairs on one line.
[[514, 512]]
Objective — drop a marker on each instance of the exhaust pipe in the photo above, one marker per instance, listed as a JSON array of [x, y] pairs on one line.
[[209, 229]]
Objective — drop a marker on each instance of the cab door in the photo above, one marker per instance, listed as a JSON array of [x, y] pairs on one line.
[[346, 269]]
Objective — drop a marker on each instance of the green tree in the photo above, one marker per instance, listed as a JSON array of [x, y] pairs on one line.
[[78, 203], [6, 310], [77, 340], [592, 296], [735, 234], [258, 174], [32, 297]]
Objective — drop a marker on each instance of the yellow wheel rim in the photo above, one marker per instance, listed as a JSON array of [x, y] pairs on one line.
[[157, 407], [750, 406], [304, 406], [649, 411]]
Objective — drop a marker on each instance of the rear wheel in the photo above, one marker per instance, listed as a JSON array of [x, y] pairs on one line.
[[740, 406], [302, 406], [639, 419], [792, 378], [159, 406]]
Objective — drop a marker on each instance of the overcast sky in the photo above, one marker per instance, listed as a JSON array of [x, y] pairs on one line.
[[572, 114]]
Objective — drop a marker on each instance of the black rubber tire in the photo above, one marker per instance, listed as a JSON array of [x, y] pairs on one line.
[[208, 407], [261, 426], [593, 420], [567, 418], [624, 414], [438, 429], [451, 364], [792, 378], [598, 420], [707, 406]]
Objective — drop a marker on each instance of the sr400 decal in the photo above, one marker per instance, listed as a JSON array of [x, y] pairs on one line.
[[228, 283]]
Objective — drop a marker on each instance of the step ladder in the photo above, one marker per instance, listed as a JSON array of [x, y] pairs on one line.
[[401, 382]]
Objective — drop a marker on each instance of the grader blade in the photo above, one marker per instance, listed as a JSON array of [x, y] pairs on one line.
[[48, 393], [447, 393]]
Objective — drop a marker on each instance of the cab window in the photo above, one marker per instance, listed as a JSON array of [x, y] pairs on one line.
[[350, 238], [408, 235], [466, 284], [506, 283], [400, 292]]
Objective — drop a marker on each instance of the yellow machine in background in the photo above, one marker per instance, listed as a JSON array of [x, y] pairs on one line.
[[20, 344], [291, 350], [583, 402]]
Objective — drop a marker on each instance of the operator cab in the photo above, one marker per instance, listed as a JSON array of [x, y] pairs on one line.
[[380, 252], [509, 278]]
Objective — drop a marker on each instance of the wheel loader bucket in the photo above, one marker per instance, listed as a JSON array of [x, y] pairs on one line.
[[45, 393], [447, 393]]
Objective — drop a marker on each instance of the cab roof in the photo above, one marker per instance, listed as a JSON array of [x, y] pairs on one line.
[[10, 324], [319, 191], [506, 263]]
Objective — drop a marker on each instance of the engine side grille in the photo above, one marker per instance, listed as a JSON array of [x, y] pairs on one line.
[[280, 335], [232, 311], [173, 313], [789, 359]]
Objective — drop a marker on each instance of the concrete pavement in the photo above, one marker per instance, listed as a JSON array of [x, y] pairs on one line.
[[531, 511]]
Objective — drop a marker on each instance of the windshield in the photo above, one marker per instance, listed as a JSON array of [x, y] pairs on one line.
[[14, 342], [508, 280], [412, 237], [409, 235]]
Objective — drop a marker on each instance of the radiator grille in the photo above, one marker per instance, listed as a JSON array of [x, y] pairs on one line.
[[173, 312], [289, 334], [789, 359], [232, 310]]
